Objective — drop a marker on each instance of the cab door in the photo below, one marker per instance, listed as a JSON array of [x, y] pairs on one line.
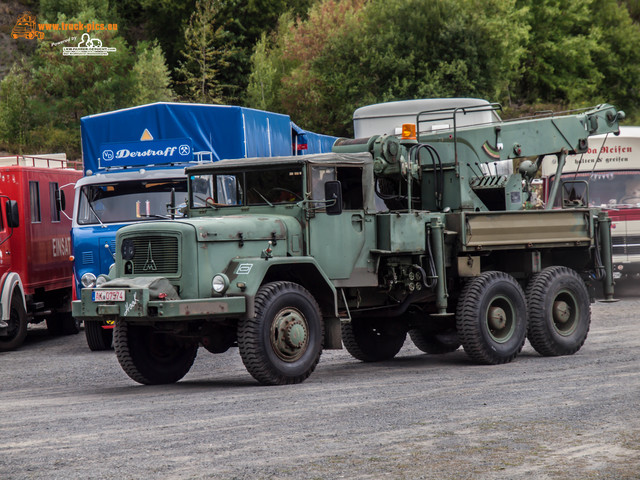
[[341, 243], [5, 260]]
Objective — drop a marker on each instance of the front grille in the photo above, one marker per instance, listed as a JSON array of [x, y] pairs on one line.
[[626, 245], [87, 258], [155, 255]]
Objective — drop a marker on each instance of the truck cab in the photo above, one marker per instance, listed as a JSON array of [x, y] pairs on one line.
[[134, 161], [35, 246]]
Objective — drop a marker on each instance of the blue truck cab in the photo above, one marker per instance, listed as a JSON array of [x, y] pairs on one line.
[[134, 161]]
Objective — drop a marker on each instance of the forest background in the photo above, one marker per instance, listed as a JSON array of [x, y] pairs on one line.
[[316, 60]]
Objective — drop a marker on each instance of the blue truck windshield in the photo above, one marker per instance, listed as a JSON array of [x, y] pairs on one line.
[[131, 201]]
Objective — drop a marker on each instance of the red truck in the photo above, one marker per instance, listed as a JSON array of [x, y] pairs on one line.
[[35, 246]]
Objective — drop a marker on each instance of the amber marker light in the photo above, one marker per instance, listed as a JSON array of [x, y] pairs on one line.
[[409, 131]]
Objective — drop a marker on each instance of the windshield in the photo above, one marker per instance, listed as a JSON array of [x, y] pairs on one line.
[[253, 187], [129, 201], [608, 189]]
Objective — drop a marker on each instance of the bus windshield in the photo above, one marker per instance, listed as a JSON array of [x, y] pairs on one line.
[[131, 201], [612, 189]]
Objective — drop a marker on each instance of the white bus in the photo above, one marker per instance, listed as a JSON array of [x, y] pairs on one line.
[[609, 176]]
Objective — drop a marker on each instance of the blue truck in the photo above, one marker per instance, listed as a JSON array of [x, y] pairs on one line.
[[134, 161]]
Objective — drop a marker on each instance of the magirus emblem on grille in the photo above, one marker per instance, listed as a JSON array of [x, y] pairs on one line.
[[149, 265]]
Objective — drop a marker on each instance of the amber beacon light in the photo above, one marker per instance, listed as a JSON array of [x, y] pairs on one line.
[[409, 131]]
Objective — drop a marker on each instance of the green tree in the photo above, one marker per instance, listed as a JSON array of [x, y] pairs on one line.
[[618, 59], [580, 53], [99, 10], [151, 78], [59, 89], [206, 52], [559, 65], [350, 53], [16, 119]]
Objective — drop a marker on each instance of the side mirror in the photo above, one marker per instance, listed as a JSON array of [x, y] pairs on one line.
[[61, 203], [13, 216], [333, 196]]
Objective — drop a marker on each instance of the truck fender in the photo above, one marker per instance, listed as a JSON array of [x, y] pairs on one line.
[[304, 271], [9, 282]]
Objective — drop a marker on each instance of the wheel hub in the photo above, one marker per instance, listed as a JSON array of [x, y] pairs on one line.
[[561, 312], [497, 318], [289, 334]]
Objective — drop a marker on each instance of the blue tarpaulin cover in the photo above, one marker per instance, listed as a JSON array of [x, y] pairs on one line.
[[164, 134]]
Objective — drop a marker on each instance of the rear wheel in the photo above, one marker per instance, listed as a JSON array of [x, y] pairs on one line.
[[434, 343], [491, 318], [17, 325], [150, 356], [282, 343], [559, 312], [98, 338], [373, 340]]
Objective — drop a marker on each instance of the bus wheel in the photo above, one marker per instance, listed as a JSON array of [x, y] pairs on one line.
[[373, 340], [282, 343], [98, 338], [150, 356], [17, 325], [559, 311], [491, 318]]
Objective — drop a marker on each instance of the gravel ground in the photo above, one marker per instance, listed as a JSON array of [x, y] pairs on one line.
[[68, 413]]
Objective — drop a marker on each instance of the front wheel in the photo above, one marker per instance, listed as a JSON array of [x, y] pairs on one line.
[[150, 356], [282, 343], [491, 318], [17, 325], [98, 338], [559, 311]]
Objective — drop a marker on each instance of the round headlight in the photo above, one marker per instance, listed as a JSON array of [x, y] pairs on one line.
[[102, 279], [220, 283], [88, 280]]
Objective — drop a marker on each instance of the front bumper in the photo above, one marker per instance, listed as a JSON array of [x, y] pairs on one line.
[[138, 306]]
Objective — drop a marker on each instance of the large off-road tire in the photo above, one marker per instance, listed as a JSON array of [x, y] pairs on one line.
[[491, 318], [434, 343], [17, 321], [559, 311], [150, 356], [63, 324], [282, 343], [373, 340], [98, 338]]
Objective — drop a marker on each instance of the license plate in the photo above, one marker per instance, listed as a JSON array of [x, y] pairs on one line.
[[108, 295]]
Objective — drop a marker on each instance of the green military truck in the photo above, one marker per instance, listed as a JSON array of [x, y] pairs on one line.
[[425, 229]]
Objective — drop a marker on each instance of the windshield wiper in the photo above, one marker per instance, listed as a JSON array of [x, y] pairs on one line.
[[92, 209], [263, 197]]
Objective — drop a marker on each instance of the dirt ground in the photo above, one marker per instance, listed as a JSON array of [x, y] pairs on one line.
[[68, 413]]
